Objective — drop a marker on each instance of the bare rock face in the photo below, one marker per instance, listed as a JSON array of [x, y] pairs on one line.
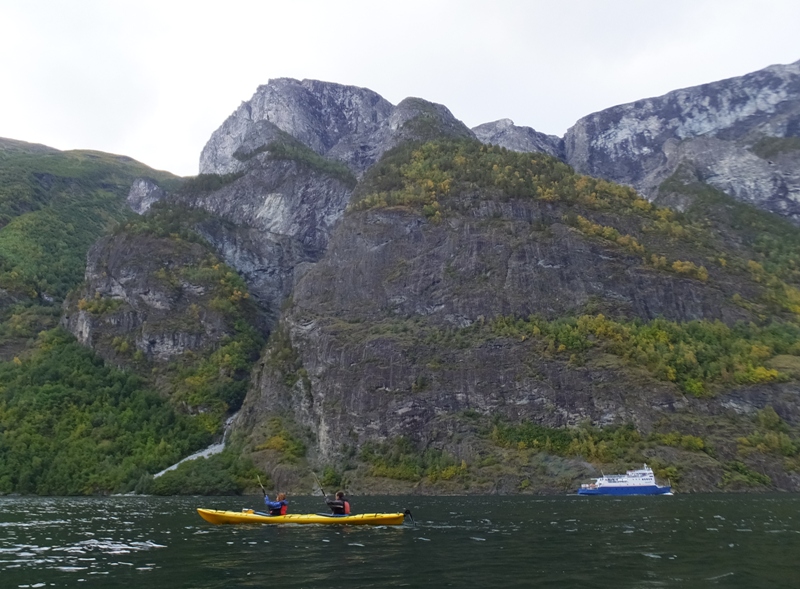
[[375, 307], [395, 264], [506, 134], [415, 118], [135, 299], [349, 124], [370, 321], [715, 127], [318, 114], [771, 184], [280, 197], [278, 214], [143, 193], [266, 261]]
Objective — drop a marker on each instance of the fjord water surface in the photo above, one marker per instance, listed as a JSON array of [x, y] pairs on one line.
[[683, 541]]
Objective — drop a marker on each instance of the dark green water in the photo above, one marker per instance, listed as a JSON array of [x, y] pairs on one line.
[[682, 541]]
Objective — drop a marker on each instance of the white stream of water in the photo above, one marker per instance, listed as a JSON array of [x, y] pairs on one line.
[[206, 452]]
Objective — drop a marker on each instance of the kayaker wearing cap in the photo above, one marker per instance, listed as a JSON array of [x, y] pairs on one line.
[[278, 507], [340, 505]]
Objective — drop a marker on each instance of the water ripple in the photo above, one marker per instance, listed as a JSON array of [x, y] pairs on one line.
[[476, 541]]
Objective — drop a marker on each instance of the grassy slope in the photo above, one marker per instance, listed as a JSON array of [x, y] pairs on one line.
[[53, 206]]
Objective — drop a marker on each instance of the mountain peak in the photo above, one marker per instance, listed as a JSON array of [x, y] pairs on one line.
[[506, 134]]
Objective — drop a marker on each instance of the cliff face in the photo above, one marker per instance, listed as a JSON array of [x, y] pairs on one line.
[[365, 322], [133, 292], [278, 213], [276, 216], [399, 332], [268, 214], [719, 130], [740, 135], [320, 115], [143, 194], [157, 301]]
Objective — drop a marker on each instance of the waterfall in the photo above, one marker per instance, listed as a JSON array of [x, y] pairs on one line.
[[206, 452]]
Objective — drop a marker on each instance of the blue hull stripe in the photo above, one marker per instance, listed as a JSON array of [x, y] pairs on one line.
[[644, 490]]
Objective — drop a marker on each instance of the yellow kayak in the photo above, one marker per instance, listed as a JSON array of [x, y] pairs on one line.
[[248, 516]]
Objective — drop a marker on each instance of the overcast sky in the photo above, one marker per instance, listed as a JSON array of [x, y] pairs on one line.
[[153, 79]]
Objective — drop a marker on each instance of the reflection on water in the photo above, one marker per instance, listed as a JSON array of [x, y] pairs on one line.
[[681, 541]]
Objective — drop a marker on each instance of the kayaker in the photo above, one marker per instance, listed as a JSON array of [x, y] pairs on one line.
[[278, 507], [340, 505]]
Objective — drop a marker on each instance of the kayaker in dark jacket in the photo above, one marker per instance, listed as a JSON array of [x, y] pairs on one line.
[[340, 505], [278, 507]]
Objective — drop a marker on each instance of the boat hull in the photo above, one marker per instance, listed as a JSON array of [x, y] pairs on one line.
[[216, 516], [631, 490]]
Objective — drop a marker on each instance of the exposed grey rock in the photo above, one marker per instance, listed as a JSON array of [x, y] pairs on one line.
[[143, 193], [388, 263], [386, 268], [150, 312], [278, 214], [772, 185], [266, 261], [415, 118], [349, 124], [506, 134], [643, 143], [318, 114]]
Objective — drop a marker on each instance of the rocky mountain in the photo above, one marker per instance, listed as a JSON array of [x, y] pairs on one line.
[[280, 200], [272, 219], [463, 310], [348, 124], [129, 293], [156, 299], [53, 206], [70, 422], [739, 135]]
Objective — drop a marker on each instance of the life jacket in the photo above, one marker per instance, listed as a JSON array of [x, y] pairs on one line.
[[279, 510], [339, 506]]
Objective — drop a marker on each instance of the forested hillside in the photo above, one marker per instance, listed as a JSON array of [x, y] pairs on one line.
[[71, 423], [53, 206]]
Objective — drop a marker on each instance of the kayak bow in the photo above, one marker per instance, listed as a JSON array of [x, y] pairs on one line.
[[248, 516]]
